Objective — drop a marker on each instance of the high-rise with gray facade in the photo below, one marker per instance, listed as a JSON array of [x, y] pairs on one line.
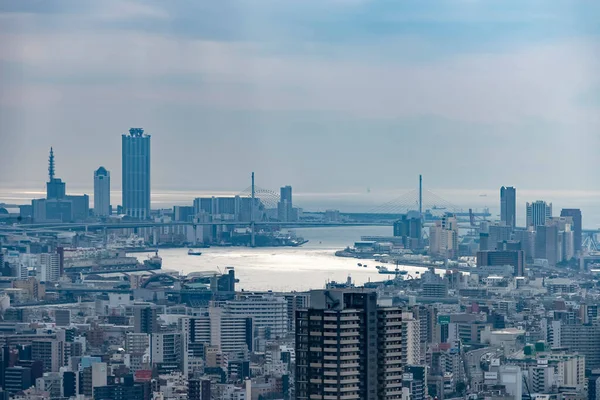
[[538, 213], [575, 214], [508, 205], [136, 173], [101, 192]]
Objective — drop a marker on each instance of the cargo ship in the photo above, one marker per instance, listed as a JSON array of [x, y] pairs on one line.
[[98, 261], [268, 239]]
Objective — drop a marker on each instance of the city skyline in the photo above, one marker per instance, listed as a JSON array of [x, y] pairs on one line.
[[407, 74]]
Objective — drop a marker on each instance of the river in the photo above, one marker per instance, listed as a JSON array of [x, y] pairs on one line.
[[286, 268]]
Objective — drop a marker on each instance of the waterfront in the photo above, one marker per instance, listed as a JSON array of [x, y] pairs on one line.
[[285, 268]]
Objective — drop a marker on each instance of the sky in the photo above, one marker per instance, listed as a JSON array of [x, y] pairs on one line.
[[334, 97]]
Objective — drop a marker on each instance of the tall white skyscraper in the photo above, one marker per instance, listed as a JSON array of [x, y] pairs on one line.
[[49, 267], [538, 213], [136, 173], [101, 192]]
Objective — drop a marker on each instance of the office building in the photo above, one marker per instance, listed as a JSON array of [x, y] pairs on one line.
[[145, 318], [17, 379], [538, 213], [125, 389], [514, 258], [49, 269], [579, 338], [199, 389], [285, 208], [136, 174], [498, 233], [269, 312], [410, 228], [577, 227], [183, 213], [415, 379], [594, 385], [62, 317], [347, 347], [224, 208], [70, 383], [215, 327], [511, 377], [508, 206], [101, 192]]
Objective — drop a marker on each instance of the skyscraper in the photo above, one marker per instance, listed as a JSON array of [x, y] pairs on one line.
[[574, 213], [508, 206], [538, 213], [285, 208], [347, 347], [101, 192], [136, 173]]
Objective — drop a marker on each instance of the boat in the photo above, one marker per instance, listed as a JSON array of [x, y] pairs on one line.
[[100, 261], [194, 252], [359, 264], [154, 262]]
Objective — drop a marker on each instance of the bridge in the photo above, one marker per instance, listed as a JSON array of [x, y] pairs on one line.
[[425, 201]]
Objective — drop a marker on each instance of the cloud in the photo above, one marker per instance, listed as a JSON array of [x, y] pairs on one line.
[[528, 82], [337, 95]]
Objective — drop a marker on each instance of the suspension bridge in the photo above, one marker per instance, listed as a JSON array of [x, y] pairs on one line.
[[424, 201]]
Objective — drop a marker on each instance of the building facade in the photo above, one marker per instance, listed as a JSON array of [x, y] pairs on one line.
[[538, 213], [508, 206], [136, 173], [101, 192]]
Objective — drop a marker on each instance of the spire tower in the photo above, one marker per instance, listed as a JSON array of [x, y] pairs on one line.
[[51, 165]]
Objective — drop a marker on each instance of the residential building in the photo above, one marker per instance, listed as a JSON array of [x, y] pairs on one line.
[[168, 351], [145, 318], [50, 352], [17, 379], [347, 347]]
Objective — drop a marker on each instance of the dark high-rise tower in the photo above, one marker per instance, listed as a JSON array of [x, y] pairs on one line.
[[508, 206], [574, 213], [136, 173], [144, 319], [348, 348]]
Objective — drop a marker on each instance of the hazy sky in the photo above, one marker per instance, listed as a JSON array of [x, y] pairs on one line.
[[329, 96]]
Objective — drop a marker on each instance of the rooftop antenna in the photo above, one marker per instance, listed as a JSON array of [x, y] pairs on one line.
[[421, 194], [51, 165]]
